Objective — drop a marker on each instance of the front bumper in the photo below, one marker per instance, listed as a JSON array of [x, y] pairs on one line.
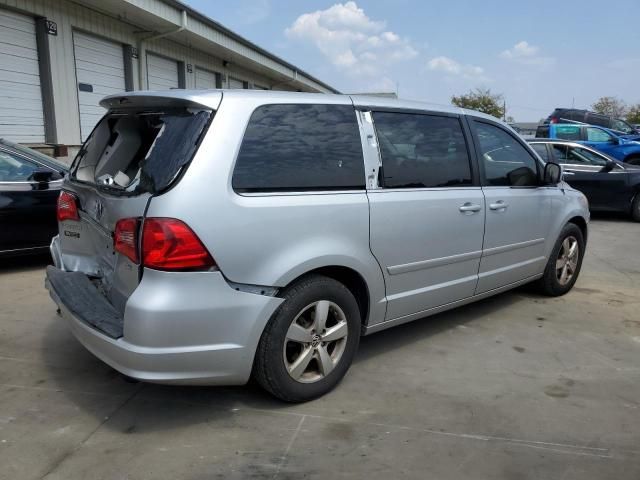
[[187, 328]]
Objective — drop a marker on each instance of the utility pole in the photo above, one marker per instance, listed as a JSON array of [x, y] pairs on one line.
[[504, 110]]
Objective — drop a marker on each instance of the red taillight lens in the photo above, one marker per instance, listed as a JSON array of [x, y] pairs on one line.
[[67, 208], [553, 120], [125, 238], [169, 244]]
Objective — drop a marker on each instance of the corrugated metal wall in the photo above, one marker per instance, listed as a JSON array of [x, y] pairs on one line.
[[70, 16]]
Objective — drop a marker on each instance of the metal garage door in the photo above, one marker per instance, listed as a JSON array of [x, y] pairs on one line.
[[162, 73], [233, 83], [21, 118], [205, 79], [99, 72]]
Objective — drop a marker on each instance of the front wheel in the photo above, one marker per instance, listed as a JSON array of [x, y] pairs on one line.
[[310, 341], [564, 263]]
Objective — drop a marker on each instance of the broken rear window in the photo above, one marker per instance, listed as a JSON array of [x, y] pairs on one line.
[[134, 152]]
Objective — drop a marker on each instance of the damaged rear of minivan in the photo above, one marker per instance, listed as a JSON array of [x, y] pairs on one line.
[[116, 266]]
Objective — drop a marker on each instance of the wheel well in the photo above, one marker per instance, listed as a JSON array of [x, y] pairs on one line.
[[633, 156], [582, 225], [353, 281]]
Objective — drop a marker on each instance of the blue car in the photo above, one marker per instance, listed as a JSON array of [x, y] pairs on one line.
[[625, 148]]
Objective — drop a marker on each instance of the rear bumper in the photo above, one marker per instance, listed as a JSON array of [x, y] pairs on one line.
[[185, 328]]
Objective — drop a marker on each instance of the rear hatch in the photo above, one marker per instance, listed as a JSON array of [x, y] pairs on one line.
[[136, 151]]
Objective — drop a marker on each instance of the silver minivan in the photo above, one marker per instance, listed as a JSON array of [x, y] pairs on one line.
[[208, 236]]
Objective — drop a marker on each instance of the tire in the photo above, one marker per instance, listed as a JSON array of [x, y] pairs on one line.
[[290, 342], [554, 282], [633, 160], [635, 208]]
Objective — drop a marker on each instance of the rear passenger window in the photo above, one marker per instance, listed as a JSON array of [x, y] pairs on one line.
[[506, 162], [300, 147], [421, 151], [568, 132]]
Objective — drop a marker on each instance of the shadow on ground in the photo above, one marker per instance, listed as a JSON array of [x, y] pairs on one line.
[[24, 263], [174, 407], [611, 217]]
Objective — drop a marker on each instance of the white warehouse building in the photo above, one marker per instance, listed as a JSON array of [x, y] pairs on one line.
[[58, 58]]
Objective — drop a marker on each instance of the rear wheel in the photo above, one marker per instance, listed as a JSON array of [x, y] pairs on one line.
[[564, 263], [635, 208], [310, 341]]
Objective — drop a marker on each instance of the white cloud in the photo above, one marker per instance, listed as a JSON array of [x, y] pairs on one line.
[[351, 40], [525, 53], [451, 67]]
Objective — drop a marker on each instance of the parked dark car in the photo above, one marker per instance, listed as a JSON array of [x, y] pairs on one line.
[[608, 184], [625, 148], [568, 115], [29, 186]]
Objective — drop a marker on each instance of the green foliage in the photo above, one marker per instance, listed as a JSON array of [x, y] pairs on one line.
[[633, 114], [481, 100], [612, 106]]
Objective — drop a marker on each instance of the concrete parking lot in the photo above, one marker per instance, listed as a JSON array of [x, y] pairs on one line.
[[517, 386]]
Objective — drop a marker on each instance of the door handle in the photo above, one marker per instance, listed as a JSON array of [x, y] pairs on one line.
[[499, 205], [469, 207]]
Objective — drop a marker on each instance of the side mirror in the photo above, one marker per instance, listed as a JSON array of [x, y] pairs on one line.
[[614, 141], [610, 165], [42, 175], [552, 174]]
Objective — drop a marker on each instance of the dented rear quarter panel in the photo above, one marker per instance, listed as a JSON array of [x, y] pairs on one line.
[[269, 239]]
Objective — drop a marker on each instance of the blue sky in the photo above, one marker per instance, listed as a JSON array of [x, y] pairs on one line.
[[538, 54]]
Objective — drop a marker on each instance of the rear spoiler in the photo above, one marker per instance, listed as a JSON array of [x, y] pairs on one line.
[[208, 99]]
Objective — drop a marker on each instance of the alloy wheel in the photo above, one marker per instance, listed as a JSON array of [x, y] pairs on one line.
[[567, 261], [315, 341]]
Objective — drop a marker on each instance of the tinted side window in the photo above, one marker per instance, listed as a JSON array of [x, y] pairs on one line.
[[574, 115], [601, 120], [14, 168], [560, 153], [506, 161], [597, 135], [422, 151], [580, 156], [541, 149], [300, 147], [568, 132]]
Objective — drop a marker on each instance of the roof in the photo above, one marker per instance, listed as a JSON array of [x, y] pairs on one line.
[[211, 98]]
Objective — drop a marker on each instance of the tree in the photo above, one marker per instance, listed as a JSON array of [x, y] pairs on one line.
[[481, 100], [633, 114], [612, 106], [510, 119]]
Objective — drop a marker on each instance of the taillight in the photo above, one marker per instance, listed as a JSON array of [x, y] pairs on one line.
[[67, 208], [169, 244], [125, 238], [553, 120]]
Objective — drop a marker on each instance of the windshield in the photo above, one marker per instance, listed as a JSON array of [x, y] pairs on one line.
[[133, 152], [622, 126]]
